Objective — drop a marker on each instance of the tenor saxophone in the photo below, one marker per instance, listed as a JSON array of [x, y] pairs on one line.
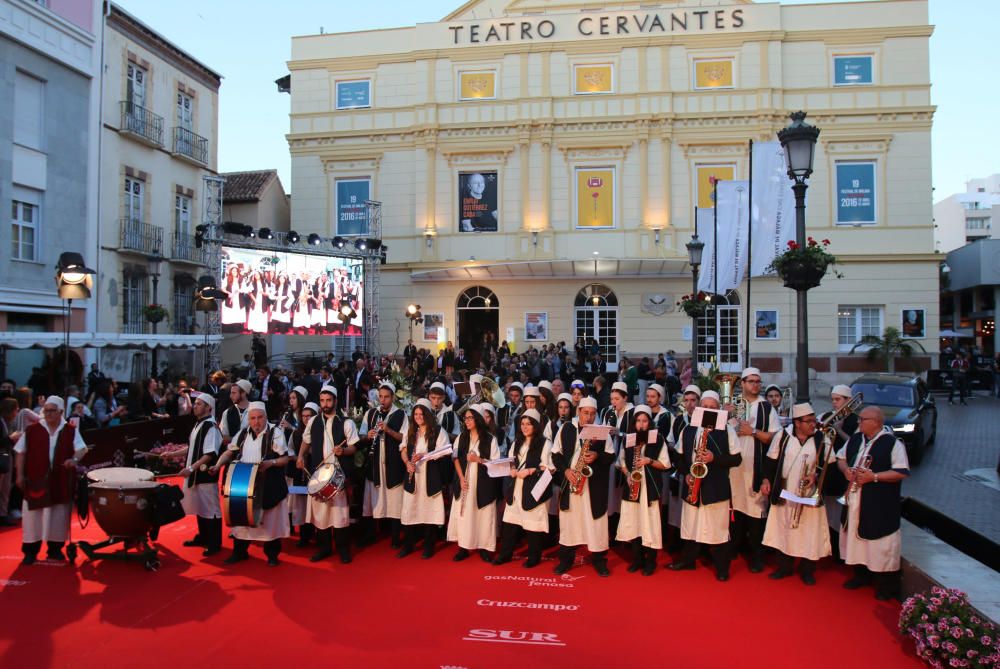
[[583, 471], [635, 476], [699, 468], [804, 476]]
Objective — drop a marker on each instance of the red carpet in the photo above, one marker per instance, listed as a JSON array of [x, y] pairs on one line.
[[384, 612]]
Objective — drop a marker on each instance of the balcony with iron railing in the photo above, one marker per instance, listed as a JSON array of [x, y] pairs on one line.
[[185, 250], [140, 237], [141, 124], [189, 146]]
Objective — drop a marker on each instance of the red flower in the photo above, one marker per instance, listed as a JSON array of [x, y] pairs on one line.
[[826, 242], [792, 245]]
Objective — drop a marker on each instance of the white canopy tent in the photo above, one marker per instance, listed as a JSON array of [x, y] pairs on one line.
[[21, 340]]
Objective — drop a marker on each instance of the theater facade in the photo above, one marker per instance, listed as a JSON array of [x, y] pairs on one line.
[[539, 163]]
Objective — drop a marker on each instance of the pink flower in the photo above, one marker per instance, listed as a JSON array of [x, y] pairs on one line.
[[985, 640]]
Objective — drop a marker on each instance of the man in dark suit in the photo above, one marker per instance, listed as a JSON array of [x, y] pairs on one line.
[[410, 352], [602, 393]]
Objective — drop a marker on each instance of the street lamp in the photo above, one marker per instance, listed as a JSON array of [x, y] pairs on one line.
[[695, 248], [154, 272], [206, 301], [73, 282], [799, 142]]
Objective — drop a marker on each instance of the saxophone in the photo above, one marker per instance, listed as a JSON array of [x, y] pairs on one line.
[[699, 469], [582, 470], [635, 476], [803, 488]]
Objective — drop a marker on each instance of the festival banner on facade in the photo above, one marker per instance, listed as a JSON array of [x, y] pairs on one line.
[[595, 197], [478, 202], [713, 73], [477, 85], [354, 94], [856, 193], [352, 214], [733, 228], [773, 216], [594, 79], [704, 176]]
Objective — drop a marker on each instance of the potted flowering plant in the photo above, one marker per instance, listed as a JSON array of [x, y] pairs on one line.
[[947, 631], [803, 267], [154, 313], [694, 306]]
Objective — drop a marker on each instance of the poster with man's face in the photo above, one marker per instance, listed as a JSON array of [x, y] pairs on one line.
[[913, 323], [478, 209]]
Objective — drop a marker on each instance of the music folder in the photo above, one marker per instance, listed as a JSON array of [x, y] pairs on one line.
[[499, 468]]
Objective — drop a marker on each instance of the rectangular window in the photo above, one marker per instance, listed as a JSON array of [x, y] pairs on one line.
[[855, 322], [28, 96], [595, 197], [593, 79], [182, 215], [133, 199], [352, 213], [354, 94], [183, 313], [856, 197], [135, 90], [706, 174], [477, 85], [713, 73], [185, 111], [24, 224], [133, 302], [853, 70]]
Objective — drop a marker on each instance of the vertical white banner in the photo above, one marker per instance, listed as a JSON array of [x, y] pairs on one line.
[[733, 227], [773, 206]]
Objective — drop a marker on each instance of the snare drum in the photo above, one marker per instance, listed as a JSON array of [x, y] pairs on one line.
[[326, 482], [123, 508], [119, 475], [241, 498]]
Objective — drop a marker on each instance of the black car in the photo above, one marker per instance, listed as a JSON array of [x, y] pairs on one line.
[[909, 409]]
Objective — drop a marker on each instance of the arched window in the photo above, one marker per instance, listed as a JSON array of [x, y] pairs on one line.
[[596, 295], [719, 333], [478, 297], [596, 322]]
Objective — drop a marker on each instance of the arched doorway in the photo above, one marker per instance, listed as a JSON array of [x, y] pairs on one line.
[[478, 313], [596, 317], [719, 333]]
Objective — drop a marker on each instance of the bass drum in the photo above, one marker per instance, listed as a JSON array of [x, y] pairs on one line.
[[242, 500], [123, 509]]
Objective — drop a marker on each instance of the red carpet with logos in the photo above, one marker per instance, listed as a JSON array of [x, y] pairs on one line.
[[381, 611]]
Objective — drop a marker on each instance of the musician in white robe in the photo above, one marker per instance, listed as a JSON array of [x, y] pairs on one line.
[[689, 400], [201, 489], [423, 501], [234, 419], [871, 539], [339, 438], [262, 445], [473, 519], [384, 428], [794, 457]]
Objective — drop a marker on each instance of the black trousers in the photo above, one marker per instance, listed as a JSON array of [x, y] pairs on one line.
[[720, 553], [272, 548], [210, 532], [747, 535], [787, 563]]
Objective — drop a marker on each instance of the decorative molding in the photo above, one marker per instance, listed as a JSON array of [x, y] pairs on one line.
[[658, 303], [575, 152], [484, 157], [341, 163], [712, 149], [873, 145]]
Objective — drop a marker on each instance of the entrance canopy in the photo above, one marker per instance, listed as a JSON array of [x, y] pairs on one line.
[[103, 339], [631, 268]]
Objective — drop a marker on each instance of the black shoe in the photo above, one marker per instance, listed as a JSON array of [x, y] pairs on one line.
[[273, 561], [428, 553], [209, 552], [649, 569], [779, 574], [462, 554], [756, 566], [808, 578], [562, 568], [321, 554], [722, 577], [602, 568], [856, 582], [501, 559], [56, 555], [5, 521], [236, 557], [197, 541], [29, 560], [405, 551], [485, 556], [302, 542], [634, 567], [532, 562], [681, 565]]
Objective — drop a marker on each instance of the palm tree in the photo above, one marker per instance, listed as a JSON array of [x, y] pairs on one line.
[[888, 347]]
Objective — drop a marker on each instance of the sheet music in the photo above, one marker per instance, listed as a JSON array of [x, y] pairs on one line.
[[544, 482], [436, 454], [595, 432], [792, 497], [499, 468]]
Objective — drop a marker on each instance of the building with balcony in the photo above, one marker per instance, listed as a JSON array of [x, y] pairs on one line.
[[539, 164], [49, 84], [969, 216], [159, 126]]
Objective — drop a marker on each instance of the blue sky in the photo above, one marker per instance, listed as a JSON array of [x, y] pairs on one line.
[[249, 43]]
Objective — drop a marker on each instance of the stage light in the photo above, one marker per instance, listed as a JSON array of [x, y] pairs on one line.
[[73, 277], [314, 239], [360, 244], [265, 233], [412, 309], [374, 244], [199, 235], [292, 237], [234, 228], [339, 242]]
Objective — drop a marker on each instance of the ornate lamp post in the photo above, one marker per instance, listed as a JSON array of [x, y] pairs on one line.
[[695, 248], [799, 142]]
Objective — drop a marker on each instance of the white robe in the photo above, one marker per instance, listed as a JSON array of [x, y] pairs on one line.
[[335, 513], [274, 523], [381, 501], [745, 500], [202, 499], [577, 526], [708, 523], [879, 555], [811, 539], [676, 504], [642, 519], [418, 507], [51, 523], [614, 491], [474, 528], [536, 520]]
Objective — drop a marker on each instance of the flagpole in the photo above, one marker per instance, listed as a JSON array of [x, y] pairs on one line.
[[715, 259], [749, 258]]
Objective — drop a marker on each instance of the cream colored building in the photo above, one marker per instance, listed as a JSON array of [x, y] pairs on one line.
[[159, 138], [597, 125]]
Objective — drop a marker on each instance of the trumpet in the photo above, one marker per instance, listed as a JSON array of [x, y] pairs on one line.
[[858, 467]]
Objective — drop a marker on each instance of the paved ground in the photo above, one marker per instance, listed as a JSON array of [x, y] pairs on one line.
[[958, 475]]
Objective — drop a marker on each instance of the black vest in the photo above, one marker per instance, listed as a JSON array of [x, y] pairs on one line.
[[774, 469], [598, 482], [316, 441], [447, 421], [395, 470], [715, 486], [880, 502], [275, 486], [532, 460], [233, 421], [203, 427], [651, 451], [487, 490], [434, 469], [760, 449]]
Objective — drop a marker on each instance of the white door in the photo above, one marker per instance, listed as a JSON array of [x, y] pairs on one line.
[[185, 111], [133, 213], [600, 323], [136, 87], [719, 338]]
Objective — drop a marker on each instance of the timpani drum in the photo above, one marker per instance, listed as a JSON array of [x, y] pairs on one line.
[[123, 508], [119, 475], [241, 496]]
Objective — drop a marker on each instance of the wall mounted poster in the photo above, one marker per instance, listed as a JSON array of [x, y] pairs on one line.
[[595, 197], [705, 175], [478, 209], [352, 214], [431, 324], [536, 326], [354, 94], [914, 323], [766, 324], [856, 193]]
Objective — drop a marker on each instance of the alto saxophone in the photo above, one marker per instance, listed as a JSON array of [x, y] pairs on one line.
[[583, 471], [635, 476], [803, 488], [699, 468]]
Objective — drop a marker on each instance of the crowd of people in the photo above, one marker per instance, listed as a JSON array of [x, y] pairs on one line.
[[565, 459]]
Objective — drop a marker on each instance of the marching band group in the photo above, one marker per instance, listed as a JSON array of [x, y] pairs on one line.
[[725, 480]]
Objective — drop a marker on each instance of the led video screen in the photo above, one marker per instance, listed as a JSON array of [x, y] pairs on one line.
[[291, 293]]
